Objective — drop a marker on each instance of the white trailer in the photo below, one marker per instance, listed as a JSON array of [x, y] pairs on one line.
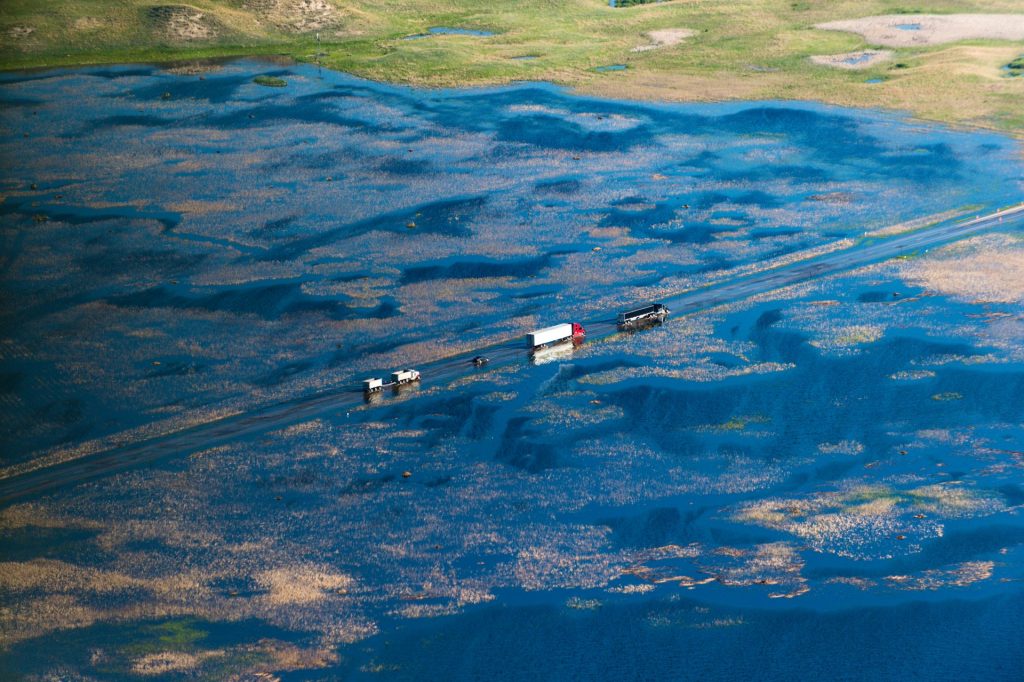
[[556, 334], [404, 376], [400, 378]]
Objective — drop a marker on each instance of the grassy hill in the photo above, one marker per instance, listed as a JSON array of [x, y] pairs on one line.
[[743, 49]]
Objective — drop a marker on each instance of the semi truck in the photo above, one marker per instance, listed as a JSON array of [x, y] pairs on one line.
[[640, 317], [399, 378], [559, 333], [404, 376], [545, 344]]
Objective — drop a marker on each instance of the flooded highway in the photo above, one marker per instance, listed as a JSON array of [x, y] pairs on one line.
[[345, 398], [199, 271]]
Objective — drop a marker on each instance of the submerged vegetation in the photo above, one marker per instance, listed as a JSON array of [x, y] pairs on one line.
[[742, 50], [270, 81], [200, 252]]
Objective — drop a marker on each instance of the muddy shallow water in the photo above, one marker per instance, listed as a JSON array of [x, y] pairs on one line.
[[795, 484]]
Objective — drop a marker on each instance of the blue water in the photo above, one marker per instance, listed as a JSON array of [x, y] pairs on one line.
[[611, 67], [676, 640], [615, 3], [823, 482], [909, 27], [449, 30], [858, 59], [875, 80]]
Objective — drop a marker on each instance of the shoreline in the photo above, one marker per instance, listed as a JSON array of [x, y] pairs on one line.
[[946, 68], [627, 92]]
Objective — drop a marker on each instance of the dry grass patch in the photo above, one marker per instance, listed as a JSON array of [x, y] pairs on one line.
[[986, 269], [301, 584], [296, 16], [182, 23], [919, 30], [665, 37]]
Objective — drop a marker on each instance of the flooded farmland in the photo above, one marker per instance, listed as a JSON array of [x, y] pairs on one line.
[[805, 477]]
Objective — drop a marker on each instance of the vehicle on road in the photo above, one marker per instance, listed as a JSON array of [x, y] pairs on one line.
[[559, 333], [399, 378], [654, 313], [404, 376]]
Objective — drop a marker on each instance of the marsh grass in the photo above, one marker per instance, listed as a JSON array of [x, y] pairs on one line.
[[270, 81], [172, 635]]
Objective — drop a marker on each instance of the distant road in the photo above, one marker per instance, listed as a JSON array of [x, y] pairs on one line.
[[210, 434], [873, 250]]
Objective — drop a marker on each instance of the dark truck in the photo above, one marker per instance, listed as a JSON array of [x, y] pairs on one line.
[[641, 317]]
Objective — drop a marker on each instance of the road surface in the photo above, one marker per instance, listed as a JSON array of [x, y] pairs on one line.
[[282, 414]]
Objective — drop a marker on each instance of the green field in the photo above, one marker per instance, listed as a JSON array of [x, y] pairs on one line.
[[752, 49]]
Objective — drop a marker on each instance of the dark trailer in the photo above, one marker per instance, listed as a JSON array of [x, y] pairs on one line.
[[651, 314]]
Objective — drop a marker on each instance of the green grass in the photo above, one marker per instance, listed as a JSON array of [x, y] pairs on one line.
[[270, 81], [747, 49], [171, 635]]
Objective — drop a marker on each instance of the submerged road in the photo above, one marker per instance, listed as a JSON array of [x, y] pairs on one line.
[[207, 435]]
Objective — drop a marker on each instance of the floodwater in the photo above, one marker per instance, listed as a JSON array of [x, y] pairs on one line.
[[858, 58], [448, 30], [824, 480]]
